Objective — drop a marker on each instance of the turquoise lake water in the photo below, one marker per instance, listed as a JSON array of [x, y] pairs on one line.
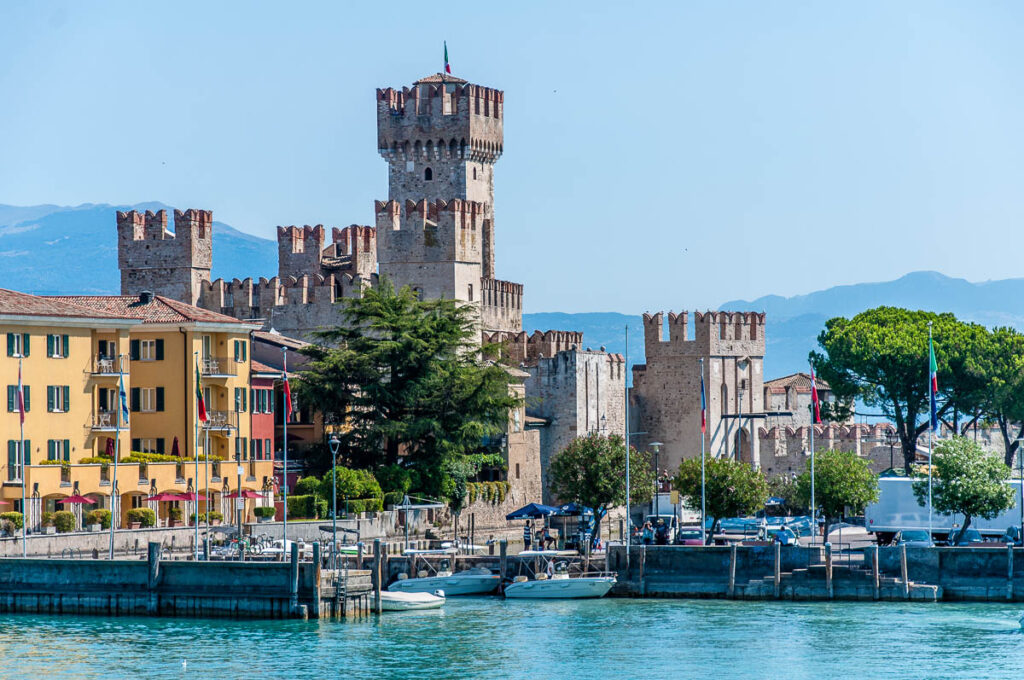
[[584, 639]]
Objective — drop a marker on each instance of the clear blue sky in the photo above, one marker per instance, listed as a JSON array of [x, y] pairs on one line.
[[657, 156]]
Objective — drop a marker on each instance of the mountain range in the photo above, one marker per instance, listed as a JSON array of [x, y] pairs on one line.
[[80, 244]]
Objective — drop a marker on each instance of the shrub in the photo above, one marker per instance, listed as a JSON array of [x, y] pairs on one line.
[[96, 459], [393, 498], [51, 461], [64, 520], [472, 491], [174, 513], [502, 491], [201, 518], [47, 518], [302, 506], [215, 516], [15, 518], [394, 479], [308, 486], [264, 512], [144, 516], [99, 516], [351, 484]]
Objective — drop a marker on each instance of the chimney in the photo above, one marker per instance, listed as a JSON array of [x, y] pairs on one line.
[[146, 296]]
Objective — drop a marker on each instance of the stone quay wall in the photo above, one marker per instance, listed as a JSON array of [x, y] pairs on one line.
[[978, 574]]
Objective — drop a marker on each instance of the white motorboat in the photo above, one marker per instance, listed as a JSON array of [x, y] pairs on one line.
[[477, 581], [556, 582], [403, 602]]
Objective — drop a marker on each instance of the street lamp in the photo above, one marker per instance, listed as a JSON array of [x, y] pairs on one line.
[[335, 443], [657, 487], [891, 438]]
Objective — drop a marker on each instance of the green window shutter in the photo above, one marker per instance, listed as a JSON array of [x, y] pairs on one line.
[[12, 457], [67, 345], [50, 446], [25, 344], [136, 444], [268, 448], [134, 349], [67, 450], [160, 445], [159, 350], [49, 398], [252, 400], [10, 344], [28, 452], [67, 398], [28, 401], [159, 399], [135, 399], [245, 350], [236, 350], [49, 344], [245, 399], [12, 398]]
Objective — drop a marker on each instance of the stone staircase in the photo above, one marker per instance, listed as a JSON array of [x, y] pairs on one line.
[[848, 583]]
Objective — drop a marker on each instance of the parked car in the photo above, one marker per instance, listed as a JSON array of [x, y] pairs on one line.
[[914, 538], [1012, 536], [688, 536], [967, 537]]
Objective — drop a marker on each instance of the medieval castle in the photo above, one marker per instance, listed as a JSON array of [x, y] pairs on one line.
[[435, 233]]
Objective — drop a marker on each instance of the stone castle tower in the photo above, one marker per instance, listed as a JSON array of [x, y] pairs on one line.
[[435, 233], [665, 397], [154, 259]]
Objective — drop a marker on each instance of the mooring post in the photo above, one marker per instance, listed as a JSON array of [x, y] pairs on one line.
[[903, 572], [293, 580], [206, 550], [359, 555], [643, 571], [777, 576], [732, 570], [503, 560], [153, 558], [376, 575], [828, 569], [621, 532], [874, 571], [315, 604], [1009, 572]]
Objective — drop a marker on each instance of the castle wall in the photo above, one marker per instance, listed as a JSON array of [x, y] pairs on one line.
[[151, 258], [786, 451], [665, 397], [577, 392], [501, 305]]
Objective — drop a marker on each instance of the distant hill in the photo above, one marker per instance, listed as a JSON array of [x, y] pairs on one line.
[[58, 249]]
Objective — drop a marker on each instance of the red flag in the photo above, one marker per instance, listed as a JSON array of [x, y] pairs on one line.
[[200, 400], [814, 399], [287, 398]]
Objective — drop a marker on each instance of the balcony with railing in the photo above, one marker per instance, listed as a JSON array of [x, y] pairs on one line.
[[218, 367], [109, 366], [221, 421], [104, 421]]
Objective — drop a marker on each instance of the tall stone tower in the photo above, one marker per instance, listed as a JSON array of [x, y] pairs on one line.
[[665, 397], [441, 138], [152, 258]]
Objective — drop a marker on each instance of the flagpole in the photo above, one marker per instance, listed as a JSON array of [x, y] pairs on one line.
[[21, 448], [625, 389], [814, 513], [117, 447], [206, 469], [931, 425], [195, 451], [703, 496], [284, 472]]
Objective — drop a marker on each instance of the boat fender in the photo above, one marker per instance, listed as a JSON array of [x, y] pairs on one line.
[[520, 579], [402, 576], [422, 573], [439, 593], [542, 577]]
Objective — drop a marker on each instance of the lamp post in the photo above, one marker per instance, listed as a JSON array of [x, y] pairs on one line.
[[657, 487], [891, 438], [335, 443]]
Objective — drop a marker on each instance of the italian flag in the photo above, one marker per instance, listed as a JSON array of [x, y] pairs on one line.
[[200, 401], [447, 66], [814, 398], [933, 382]]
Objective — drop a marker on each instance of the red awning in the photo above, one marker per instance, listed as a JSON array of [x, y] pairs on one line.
[[77, 498], [246, 493]]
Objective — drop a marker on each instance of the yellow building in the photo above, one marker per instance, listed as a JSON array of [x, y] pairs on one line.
[[80, 348]]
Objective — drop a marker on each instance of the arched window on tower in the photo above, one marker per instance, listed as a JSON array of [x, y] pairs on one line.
[[474, 173], [470, 291], [428, 175]]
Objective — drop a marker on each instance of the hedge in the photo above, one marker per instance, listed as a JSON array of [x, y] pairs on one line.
[[264, 512], [306, 506], [98, 516], [144, 457], [393, 498], [214, 517], [14, 518], [64, 520], [308, 486], [144, 516]]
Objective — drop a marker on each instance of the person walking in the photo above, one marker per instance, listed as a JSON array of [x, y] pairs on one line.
[[527, 535]]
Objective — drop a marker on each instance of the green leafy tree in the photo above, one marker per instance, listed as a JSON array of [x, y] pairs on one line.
[[881, 356], [967, 480], [591, 470], [841, 479], [404, 377], [784, 487], [1005, 374], [732, 488]]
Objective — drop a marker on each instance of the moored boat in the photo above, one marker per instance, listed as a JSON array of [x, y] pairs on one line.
[[402, 602], [557, 583], [469, 582]]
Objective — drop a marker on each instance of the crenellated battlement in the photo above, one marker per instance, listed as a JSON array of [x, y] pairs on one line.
[[501, 305], [725, 333], [521, 348], [167, 263], [430, 231]]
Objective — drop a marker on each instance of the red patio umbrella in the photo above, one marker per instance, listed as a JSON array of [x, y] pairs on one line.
[[174, 448], [77, 498], [246, 493], [192, 496], [4, 503], [166, 496]]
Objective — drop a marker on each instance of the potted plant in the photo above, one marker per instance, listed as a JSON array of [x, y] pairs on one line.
[[141, 518], [264, 514], [174, 517], [98, 520], [47, 522], [216, 518], [64, 521]]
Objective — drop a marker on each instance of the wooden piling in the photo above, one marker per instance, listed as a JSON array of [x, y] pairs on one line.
[[376, 575], [828, 570], [777, 576], [1009, 572], [874, 572], [503, 560], [314, 607], [643, 569], [293, 580], [153, 558], [903, 572]]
